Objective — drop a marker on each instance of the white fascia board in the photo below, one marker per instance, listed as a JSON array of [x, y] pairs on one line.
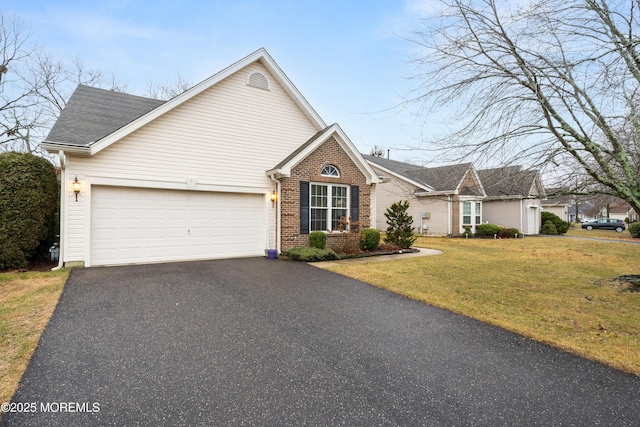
[[53, 148], [426, 188], [434, 193], [259, 55]]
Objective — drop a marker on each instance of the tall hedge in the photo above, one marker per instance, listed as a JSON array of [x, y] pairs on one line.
[[28, 208]]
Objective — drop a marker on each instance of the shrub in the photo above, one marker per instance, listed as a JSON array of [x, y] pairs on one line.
[[369, 239], [484, 230], [506, 233], [549, 228], [399, 230], [515, 231], [306, 254], [560, 225], [28, 208], [634, 229], [317, 239]]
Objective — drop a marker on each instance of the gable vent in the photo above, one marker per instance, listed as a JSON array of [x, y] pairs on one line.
[[259, 80]]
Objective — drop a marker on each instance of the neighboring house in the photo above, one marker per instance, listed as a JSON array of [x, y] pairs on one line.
[[618, 210], [514, 198], [442, 200], [238, 164], [558, 203]]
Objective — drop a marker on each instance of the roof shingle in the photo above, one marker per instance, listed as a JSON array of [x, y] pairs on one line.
[[92, 113]]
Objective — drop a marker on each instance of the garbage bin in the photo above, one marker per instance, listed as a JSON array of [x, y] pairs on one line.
[[272, 253]]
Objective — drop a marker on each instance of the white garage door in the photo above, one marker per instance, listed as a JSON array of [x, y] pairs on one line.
[[135, 225]]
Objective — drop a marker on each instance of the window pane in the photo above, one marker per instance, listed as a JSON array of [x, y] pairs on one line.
[[318, 196], [338, 197], [330, 170], [466, 208], [336, 215], [318, 219], [478, 213], [466, 213]]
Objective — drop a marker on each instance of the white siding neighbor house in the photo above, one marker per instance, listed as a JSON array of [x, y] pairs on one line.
[[207, 174], [442, 200], [514, 198]]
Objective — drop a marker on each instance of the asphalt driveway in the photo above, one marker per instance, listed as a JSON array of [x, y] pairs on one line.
[[262, 342]]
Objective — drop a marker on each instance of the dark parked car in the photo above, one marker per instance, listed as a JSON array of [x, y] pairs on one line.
[[605, 224]]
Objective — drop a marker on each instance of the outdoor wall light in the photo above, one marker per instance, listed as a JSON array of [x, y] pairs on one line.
[[274, 198], [76, 187]]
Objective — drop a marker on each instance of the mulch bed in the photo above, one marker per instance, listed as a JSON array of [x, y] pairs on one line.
[[384, 249]]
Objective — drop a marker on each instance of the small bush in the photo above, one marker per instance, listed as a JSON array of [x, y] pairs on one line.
[[318, 240], [307, 254], [515, 231], [561, 226], [549, 228], [484, 230], [634, 229], [369, 239], [506, 233]]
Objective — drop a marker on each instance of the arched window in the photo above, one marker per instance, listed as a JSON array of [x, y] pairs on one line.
[[331, 171]]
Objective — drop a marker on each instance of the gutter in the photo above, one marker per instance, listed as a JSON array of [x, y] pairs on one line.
[[54, 147]]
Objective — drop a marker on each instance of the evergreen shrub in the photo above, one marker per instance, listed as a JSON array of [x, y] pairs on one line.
[[369, 239]]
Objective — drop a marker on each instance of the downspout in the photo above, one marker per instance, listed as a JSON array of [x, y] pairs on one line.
[[278, 209], [63, 205], [449, 225]]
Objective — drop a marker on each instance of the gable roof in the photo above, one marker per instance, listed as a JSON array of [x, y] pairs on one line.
[[92, 114], [511, 181], [283, 169], [442, 179], [135, 121]]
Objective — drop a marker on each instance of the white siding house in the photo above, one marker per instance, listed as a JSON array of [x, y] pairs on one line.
[[183, 179]]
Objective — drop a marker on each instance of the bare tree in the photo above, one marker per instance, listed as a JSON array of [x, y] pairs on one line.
[[555, 82], [16, 98], [34, 87], [169, 88], [377, 151]]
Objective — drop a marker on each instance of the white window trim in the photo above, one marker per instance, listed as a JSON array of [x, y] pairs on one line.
[[329, 207], [472, 223]]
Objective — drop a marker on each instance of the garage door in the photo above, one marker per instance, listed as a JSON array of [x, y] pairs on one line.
[[131, 225]]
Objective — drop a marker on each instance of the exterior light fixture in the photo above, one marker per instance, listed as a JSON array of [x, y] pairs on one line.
[[76, 187], [274, 198]]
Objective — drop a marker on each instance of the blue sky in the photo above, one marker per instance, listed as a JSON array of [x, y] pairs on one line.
[[346, 57]]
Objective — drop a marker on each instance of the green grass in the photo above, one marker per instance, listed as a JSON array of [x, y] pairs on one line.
[[603, 234], [556, 291], [27, 301]]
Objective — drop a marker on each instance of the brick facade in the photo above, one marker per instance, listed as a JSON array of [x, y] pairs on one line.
[[328, 153]]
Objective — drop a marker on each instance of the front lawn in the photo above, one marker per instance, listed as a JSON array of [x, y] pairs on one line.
[[557, 291], [603, 234], [27, 301]]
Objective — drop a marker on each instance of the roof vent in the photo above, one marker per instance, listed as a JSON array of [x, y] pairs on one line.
[[259, 80]]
